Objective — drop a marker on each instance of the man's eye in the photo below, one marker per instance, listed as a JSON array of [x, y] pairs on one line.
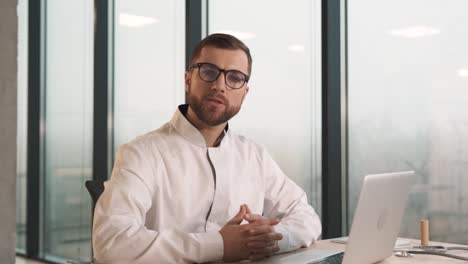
[[211, 73], [235, 77]]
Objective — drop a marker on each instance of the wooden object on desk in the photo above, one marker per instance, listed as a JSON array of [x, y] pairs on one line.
[[424, 225]]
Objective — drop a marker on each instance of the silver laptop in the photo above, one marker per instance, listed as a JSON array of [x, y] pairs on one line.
[[378, 217], [375, 226]]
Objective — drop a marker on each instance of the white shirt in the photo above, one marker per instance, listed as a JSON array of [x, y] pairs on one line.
[[169, 195]]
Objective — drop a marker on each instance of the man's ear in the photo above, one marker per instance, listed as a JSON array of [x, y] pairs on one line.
[[188, 76], [246, 89]]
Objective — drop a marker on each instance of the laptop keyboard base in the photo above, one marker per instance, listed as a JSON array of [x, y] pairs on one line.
[[333, 259]]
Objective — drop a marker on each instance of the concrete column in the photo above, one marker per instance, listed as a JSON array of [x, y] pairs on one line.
[[8, 109]]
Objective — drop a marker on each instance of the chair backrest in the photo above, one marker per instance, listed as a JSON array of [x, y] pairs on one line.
[[95, 189]]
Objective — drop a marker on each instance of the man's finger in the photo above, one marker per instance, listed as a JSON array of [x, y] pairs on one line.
[[266, 237], [262, 219], [256, 257], [260, 244], [267, 251], [254, 230], [247, 209], [238, 218]]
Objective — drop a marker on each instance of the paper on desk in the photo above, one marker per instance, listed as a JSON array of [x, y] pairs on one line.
[[300, 257], [398, 243]]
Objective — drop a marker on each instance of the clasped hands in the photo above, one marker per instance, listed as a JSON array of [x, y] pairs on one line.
[[254, 241]]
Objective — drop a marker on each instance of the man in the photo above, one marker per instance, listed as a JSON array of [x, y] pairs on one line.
[[194, 191]]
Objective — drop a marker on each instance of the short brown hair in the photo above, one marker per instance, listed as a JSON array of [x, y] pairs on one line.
[[222, 41]]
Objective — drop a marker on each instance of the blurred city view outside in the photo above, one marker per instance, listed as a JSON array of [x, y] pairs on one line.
[[408, 80]]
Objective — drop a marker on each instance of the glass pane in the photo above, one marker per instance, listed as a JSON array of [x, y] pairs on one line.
[[285, 88], [22, 125], [68, 128], [408, 79], [149, 65]]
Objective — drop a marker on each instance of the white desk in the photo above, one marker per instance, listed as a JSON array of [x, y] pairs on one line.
[[426, 259]]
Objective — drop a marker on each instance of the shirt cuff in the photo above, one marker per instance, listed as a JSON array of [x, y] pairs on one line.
[[211, 246], [283, 243]]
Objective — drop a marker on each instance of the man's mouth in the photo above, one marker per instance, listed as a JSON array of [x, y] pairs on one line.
[[215, 99]]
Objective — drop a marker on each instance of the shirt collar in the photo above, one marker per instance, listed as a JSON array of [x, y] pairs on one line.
[[188, 131]]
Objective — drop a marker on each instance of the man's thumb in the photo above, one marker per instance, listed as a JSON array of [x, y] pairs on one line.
[[239, 217]]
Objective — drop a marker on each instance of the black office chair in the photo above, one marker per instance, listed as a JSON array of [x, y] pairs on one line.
[[95, 189]]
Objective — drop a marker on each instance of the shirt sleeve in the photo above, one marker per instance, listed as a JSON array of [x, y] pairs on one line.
[[285, 200], [119, 232]]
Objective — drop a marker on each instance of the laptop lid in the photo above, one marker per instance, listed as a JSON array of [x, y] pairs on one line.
[[378, 216]]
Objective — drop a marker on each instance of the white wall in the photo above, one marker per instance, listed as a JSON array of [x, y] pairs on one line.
[[8, 51]]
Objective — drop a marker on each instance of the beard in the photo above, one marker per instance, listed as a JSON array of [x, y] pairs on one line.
[[211, 115]]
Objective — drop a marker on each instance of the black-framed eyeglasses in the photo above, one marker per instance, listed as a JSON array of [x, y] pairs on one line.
[[209, 73]]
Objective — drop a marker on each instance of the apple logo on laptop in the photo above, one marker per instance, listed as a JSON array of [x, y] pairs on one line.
[[382, 220]]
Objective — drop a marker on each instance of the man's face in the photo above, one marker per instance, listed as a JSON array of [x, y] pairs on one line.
[[215, 103]]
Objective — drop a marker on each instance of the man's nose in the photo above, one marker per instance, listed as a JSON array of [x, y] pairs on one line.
[[220, 83]]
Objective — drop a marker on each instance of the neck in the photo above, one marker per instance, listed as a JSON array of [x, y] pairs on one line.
[[212, 134]]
